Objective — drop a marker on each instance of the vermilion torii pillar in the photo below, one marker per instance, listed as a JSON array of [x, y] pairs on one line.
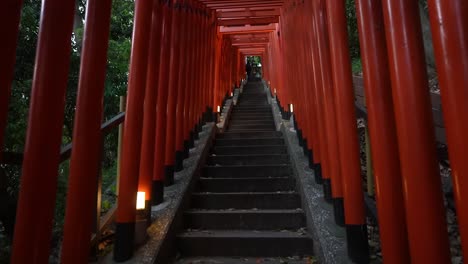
[[332, 183], [311, 101], [87, 138], [10, 15], [132, 138], [425, 213], [382, 129], [187, 82], [189, 106], [196, 73], [174, 67], [449, 24], [204, 67], [182, 87], [44, 134], [148, 148], [355, 215], [161, 106], [320, 150]]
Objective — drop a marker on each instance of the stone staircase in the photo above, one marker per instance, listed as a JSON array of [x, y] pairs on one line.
[[245, 204]]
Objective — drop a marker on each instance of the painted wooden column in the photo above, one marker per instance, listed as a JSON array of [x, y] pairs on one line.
[[188, 133], [333, 189], [321, 151], [132, 137], [191, 77], [196, 80], [310, 101], [425, 212], [174, 67], [44, 134], [217, 68], [382, 129], [212, 50], [87, 137], [149, 116], [161, 106], [205, 64], [449, 24], [10, 15], [353, 194], [182, 88]]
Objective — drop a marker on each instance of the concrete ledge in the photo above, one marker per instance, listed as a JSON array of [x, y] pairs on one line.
[[329, 239], [226, 111], [274, 107]]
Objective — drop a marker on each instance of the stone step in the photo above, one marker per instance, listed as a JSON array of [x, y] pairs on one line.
[[255, 117], [243, 200], [250, 150], [245, 243], [248, 159], [251, 110], [252, 106], [251, 126], [247, 171], [246, 260], [292, 219], [262, 121], [249, 141], [251, 184], [250, 134]]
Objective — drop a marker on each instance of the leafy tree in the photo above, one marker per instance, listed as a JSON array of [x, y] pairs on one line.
[[115, 86]]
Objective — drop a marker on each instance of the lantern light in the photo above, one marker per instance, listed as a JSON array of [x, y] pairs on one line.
[[232, 94], [140, 201], [291, 107], [219, 109]]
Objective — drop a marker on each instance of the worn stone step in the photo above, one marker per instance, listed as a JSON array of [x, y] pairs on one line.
[[292, 219], [248, 159], [252, 126], [242, 200], [252, 118], [251, 110], [246, 260], [244, 243], [247, 171], [249, 141], [252, 150], [251, 134], [253, 106], [251, 184], [243, 116], [262, 121]]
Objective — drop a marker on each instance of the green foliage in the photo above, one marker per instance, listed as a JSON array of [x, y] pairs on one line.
[[353, 33], [255, 60], [357, 66], [115, 86]]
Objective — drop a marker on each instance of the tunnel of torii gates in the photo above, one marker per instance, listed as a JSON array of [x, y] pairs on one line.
[[188, 55]]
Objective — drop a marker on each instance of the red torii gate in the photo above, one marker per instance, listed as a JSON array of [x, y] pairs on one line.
[[307, 63]]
